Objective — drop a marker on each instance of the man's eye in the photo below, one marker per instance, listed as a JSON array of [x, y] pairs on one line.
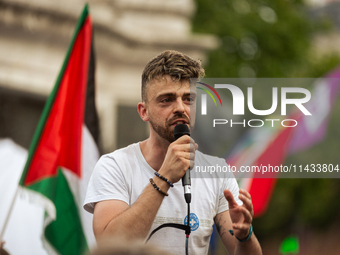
[[190, 99], [165, 100]]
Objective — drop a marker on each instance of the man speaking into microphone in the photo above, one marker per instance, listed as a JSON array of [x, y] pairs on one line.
[[136, 189]]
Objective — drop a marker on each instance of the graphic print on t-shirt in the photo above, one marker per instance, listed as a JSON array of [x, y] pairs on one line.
[[194, 221]]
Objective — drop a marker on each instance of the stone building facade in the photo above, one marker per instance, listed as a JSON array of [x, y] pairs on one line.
[[34, 38]]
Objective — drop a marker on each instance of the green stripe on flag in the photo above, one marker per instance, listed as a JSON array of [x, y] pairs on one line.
[[66, 232]]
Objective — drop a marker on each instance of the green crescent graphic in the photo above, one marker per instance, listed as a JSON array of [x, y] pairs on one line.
[[206, 91]]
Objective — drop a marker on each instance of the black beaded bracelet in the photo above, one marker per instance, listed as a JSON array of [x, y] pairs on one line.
[[164, 179], [157, 188]]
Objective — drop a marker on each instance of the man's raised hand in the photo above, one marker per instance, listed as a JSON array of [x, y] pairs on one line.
[[241, 215], [179, 158]]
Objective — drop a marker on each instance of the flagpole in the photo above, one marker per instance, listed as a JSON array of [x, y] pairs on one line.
[[9, 214]]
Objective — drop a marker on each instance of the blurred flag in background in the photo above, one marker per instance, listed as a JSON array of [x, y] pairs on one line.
[[64, 151], [271, 145]]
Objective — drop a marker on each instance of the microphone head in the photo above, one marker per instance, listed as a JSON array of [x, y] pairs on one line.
[[180, 130]]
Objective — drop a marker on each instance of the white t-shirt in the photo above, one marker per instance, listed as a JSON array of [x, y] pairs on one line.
[[124, 174]]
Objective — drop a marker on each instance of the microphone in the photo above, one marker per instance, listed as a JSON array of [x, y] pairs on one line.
[[180, 130]]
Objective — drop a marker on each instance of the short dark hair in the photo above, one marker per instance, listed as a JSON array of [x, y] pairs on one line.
[[176, 64]]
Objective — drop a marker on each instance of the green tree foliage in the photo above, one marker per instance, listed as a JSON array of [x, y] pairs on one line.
[[261, 38], [273, 39]]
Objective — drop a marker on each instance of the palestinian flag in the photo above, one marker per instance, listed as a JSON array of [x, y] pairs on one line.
[[63, 151]]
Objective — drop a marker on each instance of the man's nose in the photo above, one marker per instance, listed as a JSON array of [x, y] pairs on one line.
[[179, 105]]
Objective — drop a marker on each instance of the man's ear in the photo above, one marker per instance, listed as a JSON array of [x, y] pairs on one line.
[[143, 113]]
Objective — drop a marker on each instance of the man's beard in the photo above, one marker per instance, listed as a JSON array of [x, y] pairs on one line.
[[166, 132]]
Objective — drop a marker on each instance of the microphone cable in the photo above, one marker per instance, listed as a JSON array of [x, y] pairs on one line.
[[186, 228], [187, 234]]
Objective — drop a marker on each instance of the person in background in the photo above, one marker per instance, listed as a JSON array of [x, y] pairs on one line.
[[2, 250]]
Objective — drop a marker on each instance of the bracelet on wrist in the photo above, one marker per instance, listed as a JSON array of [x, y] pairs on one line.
[[157, 188], [245, 239], [164, 179]]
